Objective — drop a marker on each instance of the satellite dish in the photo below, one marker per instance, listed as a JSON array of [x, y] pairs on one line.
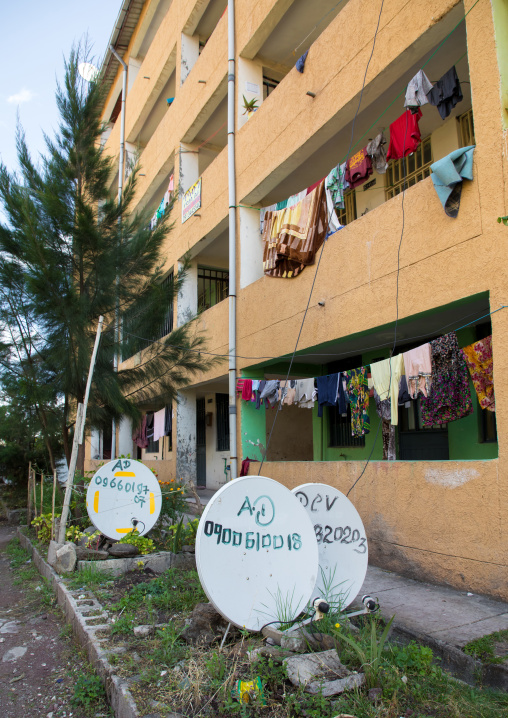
[[342, 543], [256, 553], [88, 71], [123, 495]]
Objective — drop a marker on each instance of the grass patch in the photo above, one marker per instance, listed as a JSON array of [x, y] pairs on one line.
[[175, 590], [90, 578], [489, 649]]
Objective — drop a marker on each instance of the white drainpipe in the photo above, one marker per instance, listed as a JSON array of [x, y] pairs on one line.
[[232, 241]]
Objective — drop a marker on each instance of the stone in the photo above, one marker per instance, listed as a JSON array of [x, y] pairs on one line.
[[66, 559], [185, 561], [301, 639], [123, 550], [204, 626], [9, 627], [321, 673], [52, 549], [143, 631], [273, 634], [89, 554], [14, 653], [14, 516], [188, 549]]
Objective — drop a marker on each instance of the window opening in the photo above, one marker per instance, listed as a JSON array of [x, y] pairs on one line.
[[213, 287], [340, 426], [222, 404], [269, 86], [466, 124], [348, 214], [407, 171]]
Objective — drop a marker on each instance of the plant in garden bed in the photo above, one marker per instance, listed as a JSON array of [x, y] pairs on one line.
[[144, 544], [369, 653]]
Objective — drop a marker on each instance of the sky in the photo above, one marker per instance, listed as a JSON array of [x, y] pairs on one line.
[[37, 35]]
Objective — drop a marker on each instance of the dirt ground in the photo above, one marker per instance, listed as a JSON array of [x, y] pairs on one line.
[[39, 664]]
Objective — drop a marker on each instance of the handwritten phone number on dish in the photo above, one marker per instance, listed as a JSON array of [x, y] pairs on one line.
[[120, 486], [346, 535], [253, 539]]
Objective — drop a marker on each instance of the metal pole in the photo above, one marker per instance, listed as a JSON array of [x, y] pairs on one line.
[[53, 506], [232, 240], [78, 439], [120, 190]]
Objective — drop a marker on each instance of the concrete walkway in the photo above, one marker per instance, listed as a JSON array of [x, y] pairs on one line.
[[444, 614]]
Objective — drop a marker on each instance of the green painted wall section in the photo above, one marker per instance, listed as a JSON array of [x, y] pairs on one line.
[[253, 423], [500, 16]]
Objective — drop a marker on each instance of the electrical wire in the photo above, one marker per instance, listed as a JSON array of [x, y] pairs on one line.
[[324, 242]]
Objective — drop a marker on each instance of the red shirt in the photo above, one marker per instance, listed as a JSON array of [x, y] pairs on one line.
[[358, 168], [404, 135]]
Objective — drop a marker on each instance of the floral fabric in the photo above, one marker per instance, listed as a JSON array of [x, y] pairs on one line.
[[449, 397], [479, 361], [358, 391], [384, 411]]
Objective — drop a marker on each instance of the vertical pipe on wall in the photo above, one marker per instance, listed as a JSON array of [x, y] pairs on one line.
[[120, 190], [232, 240]]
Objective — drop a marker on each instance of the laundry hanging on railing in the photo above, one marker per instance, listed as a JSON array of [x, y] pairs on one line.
[[165, 201], [479, 361], [447, 175], [446, 93]]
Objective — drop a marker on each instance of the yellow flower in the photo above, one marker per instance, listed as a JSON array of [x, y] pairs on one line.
[[337, 625]]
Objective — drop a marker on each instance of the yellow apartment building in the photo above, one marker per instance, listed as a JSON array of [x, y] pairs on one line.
[[401, 272]]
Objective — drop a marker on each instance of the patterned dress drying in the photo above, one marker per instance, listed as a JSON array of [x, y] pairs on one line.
[[358, 392], [479, 361], [449, 397]]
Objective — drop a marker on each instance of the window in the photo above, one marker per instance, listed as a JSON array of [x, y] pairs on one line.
[[213, 287], [269, 86], [409, 170], [153, 446], [348, 214], [340, 429], [222, 404], [167, 324], [466, 125], [133, 344]]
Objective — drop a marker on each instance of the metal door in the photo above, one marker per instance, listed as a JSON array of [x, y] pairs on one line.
[[200, 443]]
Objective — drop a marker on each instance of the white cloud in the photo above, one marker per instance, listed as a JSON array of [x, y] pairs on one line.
[[23, 95]]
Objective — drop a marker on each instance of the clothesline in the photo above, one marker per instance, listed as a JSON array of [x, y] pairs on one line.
[[437, 372]]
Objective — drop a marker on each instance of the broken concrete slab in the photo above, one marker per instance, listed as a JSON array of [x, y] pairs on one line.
[[302, 639], [322, 673], [156, 562]]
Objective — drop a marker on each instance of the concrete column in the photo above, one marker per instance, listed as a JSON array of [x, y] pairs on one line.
[[251, 247], [125, 444], [186, 436], [250, 85], [188, 169], [132, 71], [189, 53], [131, 156], [187, 300], [95, 444]]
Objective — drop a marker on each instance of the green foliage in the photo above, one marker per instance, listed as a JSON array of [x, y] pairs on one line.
[[88, 691], [173, 500], [249, 105], [89, 577], [370, 654], [144, 544], [413, 658], [216, 665], [16, 553], [123, 625], [174, 590], [483, 648], [42, 526], [504, 220], [170, 649]]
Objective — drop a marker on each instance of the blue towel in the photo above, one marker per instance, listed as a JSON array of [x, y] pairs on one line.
[[300, 63], [447, 175]]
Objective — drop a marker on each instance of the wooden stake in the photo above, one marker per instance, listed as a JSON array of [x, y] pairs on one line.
[[29, 501], [53, 507], [34, 482], [42, 492]]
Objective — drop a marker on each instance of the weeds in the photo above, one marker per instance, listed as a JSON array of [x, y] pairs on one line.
[[87, 691], [369, 653], [90, 578], [484, 648]]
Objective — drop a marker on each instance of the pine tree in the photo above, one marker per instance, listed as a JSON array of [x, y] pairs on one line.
[[70, 253]]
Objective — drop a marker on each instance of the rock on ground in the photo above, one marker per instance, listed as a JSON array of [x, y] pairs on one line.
[[66, 558], [321, 673], [204, 626], [123, 550]]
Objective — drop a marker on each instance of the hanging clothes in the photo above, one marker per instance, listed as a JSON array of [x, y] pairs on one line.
[[447, 175], [358, 168], [358, 393], [270, 392], [417, 90], [292, 236], [333, 221], [139, 436], [328, 389], [384, 411], [300, 63], [480, 363], [159, 419], [446, 93], [405, 398], [418, 369], [449, 398], [261, 386], [304, 391], [376, 149], [404, 135], [239, 385], [149, 425], [247, 390], [386, 377], [289, 388], [168, 420], [334, 183]]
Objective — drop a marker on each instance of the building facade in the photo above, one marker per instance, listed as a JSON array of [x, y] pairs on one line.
[[400, 272]]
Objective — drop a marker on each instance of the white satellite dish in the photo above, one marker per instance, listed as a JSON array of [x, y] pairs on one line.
[[88, 71], [123, 495], [256, 553], [342, 543]]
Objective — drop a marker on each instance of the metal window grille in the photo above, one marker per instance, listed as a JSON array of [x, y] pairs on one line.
[[269, 86], [153, 446], [407, 171], [165, 328], [348, 214], [340, 429], [222, 405], [466, 124], [167, 324], [213, 287]]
